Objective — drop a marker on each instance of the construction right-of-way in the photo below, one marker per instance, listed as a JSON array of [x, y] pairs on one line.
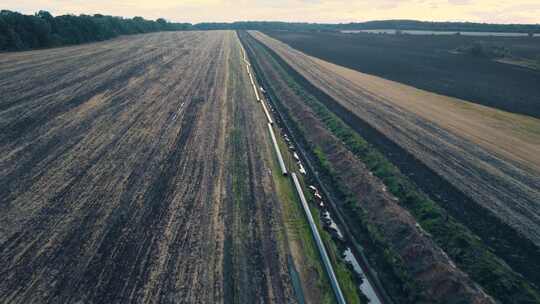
[[322, 250], [313, 226], [278, 151]]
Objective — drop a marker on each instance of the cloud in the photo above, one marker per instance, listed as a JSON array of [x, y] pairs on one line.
[[506, 11], [459, 2]]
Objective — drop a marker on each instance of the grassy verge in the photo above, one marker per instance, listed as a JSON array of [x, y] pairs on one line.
[[298, 228], [348, 280], [346, 276]]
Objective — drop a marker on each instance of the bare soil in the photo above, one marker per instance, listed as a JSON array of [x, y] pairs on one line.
[[502, 73]]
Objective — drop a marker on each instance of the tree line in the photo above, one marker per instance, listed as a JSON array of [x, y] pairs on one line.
[[382, 24], [442, 26], [42, 30]]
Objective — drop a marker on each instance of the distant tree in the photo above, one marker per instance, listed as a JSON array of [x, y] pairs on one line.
[[3, 34], [45, 16]]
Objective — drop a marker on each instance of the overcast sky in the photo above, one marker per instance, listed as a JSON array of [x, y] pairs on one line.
[[326, 11]]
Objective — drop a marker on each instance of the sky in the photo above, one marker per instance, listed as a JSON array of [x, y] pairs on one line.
[[323, 11]]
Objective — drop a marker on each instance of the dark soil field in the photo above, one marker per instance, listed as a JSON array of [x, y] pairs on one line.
[[432, 63], [489, 155], [380, 110], [137, 170], [429, 267]]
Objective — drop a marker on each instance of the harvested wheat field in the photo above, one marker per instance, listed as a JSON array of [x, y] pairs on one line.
[[138, 170]]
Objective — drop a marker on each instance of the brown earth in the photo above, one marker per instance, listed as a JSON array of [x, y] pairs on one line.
[[490, 155], [136, 170], [427, 263]]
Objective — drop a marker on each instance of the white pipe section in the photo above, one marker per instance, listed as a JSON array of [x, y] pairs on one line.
[[270, 121], [326, 261], [278, 152], [256, 93]]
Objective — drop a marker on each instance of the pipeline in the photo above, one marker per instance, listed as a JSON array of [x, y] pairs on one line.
[[324, 255], [278, 152]]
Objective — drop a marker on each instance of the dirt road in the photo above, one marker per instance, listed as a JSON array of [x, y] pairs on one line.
[[136, 170]]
